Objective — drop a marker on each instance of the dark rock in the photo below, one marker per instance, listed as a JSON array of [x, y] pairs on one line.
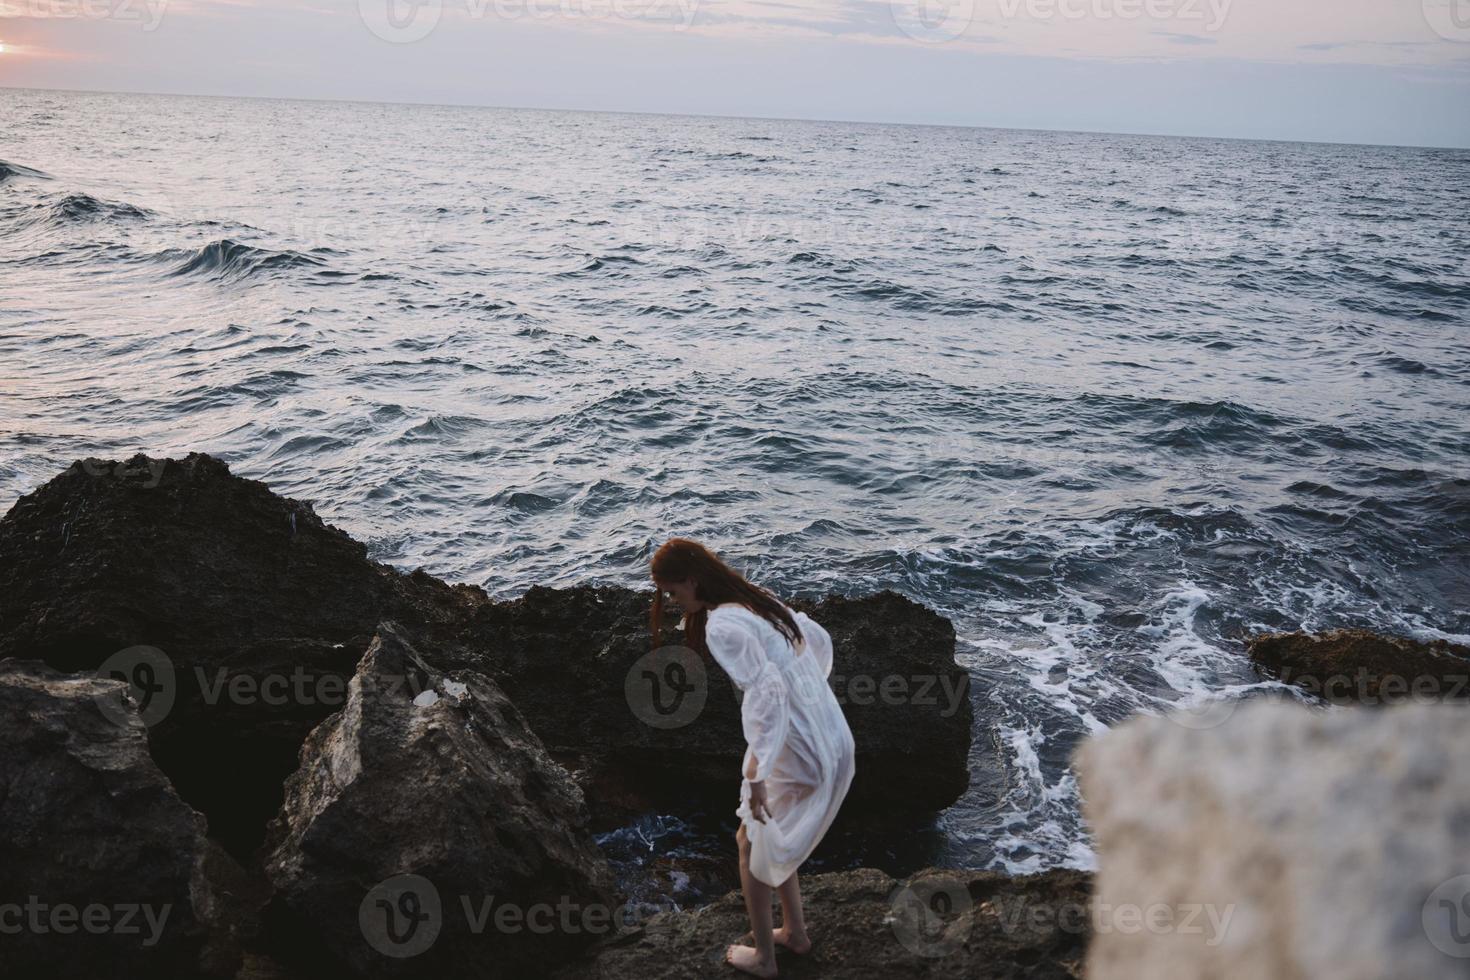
[[563, 656], [1363, 667], [182, 555], [865, 924], [243, 589], [91, 824], [239, 588], [434, 775]]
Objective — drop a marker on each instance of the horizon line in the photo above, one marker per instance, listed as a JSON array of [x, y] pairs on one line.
[[734, 116]]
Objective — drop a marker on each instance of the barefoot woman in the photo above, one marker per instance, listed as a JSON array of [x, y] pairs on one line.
[[799, 751]]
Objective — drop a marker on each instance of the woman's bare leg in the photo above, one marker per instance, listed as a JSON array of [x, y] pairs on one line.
[[792, 933], [759, 959]]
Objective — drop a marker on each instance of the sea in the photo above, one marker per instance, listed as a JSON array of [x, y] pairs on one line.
[[1111, 403]]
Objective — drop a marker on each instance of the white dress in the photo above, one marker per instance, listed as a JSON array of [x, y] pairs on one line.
[[793, 726]]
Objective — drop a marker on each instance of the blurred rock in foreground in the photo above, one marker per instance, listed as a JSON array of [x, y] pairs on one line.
[[1285, 842]]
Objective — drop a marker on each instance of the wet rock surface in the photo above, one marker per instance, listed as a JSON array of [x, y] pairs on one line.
[[1362, 667], [865, 924]]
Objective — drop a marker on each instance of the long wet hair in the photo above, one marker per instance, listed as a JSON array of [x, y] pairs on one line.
[[679, 560]]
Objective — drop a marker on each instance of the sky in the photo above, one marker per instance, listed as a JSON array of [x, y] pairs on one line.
[[1362, 71]]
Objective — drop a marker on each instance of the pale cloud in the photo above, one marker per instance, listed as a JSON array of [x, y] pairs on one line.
[[1268, 30], [1299, 31], [1188, 39]]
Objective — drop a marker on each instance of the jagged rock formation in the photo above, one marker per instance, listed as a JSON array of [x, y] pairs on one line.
[[434, 775]]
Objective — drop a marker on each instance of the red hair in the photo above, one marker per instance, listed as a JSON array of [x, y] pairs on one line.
[[681, 560]]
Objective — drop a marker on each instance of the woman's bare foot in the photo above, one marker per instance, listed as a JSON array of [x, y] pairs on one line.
[[799, 943], [746, 958]]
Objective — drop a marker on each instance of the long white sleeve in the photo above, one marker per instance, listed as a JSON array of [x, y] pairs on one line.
[[818, 641], [764, 711]]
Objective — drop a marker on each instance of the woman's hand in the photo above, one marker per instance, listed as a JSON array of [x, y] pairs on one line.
[[759, 808]]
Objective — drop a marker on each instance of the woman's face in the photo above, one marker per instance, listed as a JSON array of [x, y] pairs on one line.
[[682, 593]]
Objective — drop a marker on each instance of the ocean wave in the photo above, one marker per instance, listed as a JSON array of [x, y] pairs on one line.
[[74, 209], [612, 265], [230, 260], [10, 170]]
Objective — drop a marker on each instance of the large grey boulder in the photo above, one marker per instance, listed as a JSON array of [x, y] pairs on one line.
[[104, 871], [1285, 842], [423, 804]]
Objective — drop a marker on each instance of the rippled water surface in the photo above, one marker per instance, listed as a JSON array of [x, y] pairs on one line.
[[1109, 402]]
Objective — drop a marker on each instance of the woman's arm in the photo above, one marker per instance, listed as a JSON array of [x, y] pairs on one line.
[[764, 710], [759, 807]]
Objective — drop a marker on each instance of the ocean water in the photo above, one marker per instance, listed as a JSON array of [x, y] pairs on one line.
[[1111, 403]]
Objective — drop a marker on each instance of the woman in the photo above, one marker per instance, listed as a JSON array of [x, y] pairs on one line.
[[799, 750]]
